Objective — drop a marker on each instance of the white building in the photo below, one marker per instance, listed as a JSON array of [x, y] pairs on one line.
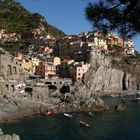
[[35, 61], [129, 47]]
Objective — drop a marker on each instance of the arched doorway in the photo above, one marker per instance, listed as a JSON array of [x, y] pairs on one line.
[[52, 87]]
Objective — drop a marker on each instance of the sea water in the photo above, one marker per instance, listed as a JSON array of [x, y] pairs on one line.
[[109, 125]]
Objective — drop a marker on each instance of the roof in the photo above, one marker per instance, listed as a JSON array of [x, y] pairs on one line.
[[66, 60]]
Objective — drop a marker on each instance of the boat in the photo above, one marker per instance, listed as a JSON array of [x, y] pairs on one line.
[[82, 123], [50, 113], [91, 114], [68, 115], [136, 99], [113, 96]]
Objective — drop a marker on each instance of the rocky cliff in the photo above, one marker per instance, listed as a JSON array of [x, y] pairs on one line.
[[41, 100], [102, 77]]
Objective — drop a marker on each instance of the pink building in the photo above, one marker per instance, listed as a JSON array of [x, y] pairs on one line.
[[78, 70], [47, 69], [18, 56], [45, 49]]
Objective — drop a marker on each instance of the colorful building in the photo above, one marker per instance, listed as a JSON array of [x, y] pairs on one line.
[[78, 70]]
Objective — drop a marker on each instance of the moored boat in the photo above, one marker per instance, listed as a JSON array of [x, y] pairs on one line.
[[82, 123], [68, 115], [50, 113], [113, 96], [136, 99], [91, 114]]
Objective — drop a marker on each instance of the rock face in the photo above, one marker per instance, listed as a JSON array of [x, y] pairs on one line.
[[105, 79], [41, 100], [8, 137], [109, 80], [120, 107], [14, 109], [85, 100]]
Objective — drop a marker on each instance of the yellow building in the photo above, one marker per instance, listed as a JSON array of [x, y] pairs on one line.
[[27, 65], [56, 61]]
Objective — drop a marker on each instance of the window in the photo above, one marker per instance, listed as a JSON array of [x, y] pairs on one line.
[[60, 82], [48, 82], [9, 70], [14, 70], [79, 74], [54, 82]]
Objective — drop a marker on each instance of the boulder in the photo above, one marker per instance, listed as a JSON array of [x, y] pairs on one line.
[[8, 137], [120, 107], [1, 132]]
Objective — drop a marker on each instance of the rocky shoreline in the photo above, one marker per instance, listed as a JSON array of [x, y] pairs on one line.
[[40, 100], [7, 136]]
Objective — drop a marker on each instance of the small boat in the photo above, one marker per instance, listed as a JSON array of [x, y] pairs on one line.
[[50, 113], [113, 96], [82, 123], [68, 115], [91, 114], [136, 99]]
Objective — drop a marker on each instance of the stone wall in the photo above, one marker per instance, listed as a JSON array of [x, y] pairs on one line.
[[10, 70]]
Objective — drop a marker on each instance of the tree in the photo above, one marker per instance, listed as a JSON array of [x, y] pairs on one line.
[[122, 16], [64, 70]]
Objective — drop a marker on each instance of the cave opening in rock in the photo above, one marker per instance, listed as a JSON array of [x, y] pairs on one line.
[[65, 89], [124, 82], [138, 87], [52, 87]]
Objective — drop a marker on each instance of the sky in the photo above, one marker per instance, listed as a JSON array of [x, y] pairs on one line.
[[66, 15]]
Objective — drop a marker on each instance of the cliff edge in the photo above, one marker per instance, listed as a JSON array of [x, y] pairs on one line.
[[107, 77]]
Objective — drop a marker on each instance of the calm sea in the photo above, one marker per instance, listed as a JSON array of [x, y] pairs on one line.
[[109, 125]]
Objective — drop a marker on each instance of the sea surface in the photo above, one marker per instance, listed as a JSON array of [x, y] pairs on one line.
[[108, 125]]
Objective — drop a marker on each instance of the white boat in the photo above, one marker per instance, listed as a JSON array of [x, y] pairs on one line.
[[113, 96], [68, 115], [136, 99], [82, 123], [91, 114]]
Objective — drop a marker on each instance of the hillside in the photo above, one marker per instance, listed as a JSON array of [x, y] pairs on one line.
[[15, 18]]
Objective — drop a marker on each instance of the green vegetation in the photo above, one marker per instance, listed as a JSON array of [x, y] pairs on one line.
[[12, 46], [113, 62], [54, 31], [138, 55], [14, 18], [112, 15], [115, 50], [64, 71]]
